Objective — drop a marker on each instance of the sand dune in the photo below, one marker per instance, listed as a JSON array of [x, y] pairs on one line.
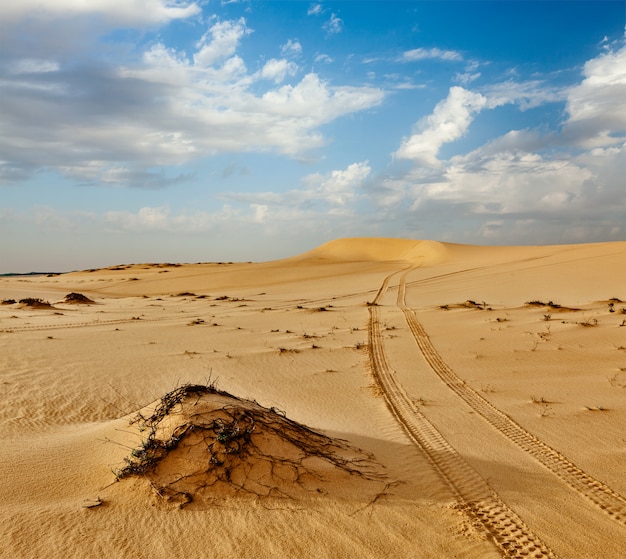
[[437, 400]]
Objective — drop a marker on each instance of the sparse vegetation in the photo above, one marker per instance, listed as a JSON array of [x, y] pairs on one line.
[[588, 322], [539, 303], [235, 447], [35, 303], [282, 350], [77, 298], [545, 411]]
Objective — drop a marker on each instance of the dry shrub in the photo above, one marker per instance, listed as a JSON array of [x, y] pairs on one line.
[[204, 444]]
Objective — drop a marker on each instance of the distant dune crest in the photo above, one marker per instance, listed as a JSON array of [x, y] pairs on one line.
[[381, 249]]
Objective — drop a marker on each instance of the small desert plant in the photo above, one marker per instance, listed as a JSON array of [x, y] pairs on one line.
[[539, 303], [282, 350], [547, 317], [588, 322], [545, 411], [33, 301], [77, 298]]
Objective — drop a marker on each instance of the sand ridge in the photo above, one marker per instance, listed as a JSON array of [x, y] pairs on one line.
[[487, 383]]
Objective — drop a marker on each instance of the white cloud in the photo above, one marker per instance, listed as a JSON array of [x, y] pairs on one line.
[[333, 192], [219, 42], [314, 10], [334, 25], [90, 122], [291, 48], [528, 94], [119, 12], [146, 218], [277, 70], [597, 106], [466, 78], [509, 183], [527, 186], [434, 53], [323, 58], [448, 122]]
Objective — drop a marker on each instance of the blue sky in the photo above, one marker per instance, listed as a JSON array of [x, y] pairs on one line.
[[162, 130]]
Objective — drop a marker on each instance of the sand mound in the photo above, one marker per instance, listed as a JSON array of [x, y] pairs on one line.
[[381, 249], [77, 299], [33, 303], [205, 444]]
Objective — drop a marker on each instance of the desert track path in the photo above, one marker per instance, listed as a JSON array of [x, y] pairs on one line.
[[509, 532], [106, 322], [609, 501]]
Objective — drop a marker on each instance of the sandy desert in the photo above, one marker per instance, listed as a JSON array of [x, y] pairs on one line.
[[369, 398]]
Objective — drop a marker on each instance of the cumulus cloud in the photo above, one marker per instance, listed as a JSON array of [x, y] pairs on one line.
[[527, 185], [597, 106], [118, 12], [448, 122], [277, 70], [219, 42], [88, 119], [291, 48]]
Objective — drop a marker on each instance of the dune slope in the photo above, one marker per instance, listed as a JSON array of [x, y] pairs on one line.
[[470, 400]]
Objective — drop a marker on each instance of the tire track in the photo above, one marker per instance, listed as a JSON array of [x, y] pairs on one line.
[[477, 499], [608, 500], [43, 327]]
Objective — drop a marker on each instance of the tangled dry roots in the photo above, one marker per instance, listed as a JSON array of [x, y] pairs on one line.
[[204, 444]]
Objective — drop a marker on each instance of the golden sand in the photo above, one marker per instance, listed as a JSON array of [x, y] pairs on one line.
[[442, 401]]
